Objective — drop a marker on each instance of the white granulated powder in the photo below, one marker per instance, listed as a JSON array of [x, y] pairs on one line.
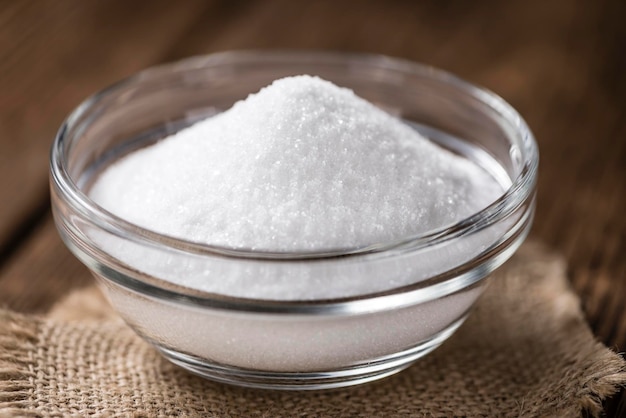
[[301, 165]]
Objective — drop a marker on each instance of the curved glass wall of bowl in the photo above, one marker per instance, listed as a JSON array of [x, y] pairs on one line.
[[416, 290]]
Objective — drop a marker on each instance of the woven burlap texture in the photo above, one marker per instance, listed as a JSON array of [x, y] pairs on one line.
[[525, 351]]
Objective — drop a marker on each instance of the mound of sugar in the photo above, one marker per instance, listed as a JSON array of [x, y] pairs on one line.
[[301, 165]]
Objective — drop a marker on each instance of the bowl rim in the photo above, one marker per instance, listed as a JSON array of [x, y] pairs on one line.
[[520, 191]]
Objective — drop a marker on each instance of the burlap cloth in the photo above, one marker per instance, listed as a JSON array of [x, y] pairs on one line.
[[525, 351]]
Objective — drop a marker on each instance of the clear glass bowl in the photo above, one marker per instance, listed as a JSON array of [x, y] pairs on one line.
[[320, 340]]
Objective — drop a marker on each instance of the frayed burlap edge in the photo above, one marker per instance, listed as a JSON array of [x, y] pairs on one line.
[[18, 370], [18, 338], [605, 381], [22, 338]]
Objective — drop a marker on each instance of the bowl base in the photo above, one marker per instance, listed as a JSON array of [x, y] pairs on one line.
[[349, 376]]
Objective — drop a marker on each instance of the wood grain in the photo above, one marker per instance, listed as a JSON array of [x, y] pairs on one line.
[[52, 56], [41, 272], [560, 63]]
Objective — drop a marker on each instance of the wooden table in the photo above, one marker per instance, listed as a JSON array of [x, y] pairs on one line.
[[561, 63]]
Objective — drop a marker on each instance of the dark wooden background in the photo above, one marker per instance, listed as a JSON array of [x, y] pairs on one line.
[[561, 63]]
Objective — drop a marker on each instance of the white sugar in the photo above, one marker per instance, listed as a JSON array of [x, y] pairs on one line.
[[300, 165]]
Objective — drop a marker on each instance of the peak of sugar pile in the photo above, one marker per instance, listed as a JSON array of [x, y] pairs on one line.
[[300, 165]]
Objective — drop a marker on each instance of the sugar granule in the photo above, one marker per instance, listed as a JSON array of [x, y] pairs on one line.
[[301, 165]]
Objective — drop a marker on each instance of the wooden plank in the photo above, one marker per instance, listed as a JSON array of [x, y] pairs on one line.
[[52, 56], [40, 272]]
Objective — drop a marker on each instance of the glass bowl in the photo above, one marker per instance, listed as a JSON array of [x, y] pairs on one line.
[[417, 290]]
